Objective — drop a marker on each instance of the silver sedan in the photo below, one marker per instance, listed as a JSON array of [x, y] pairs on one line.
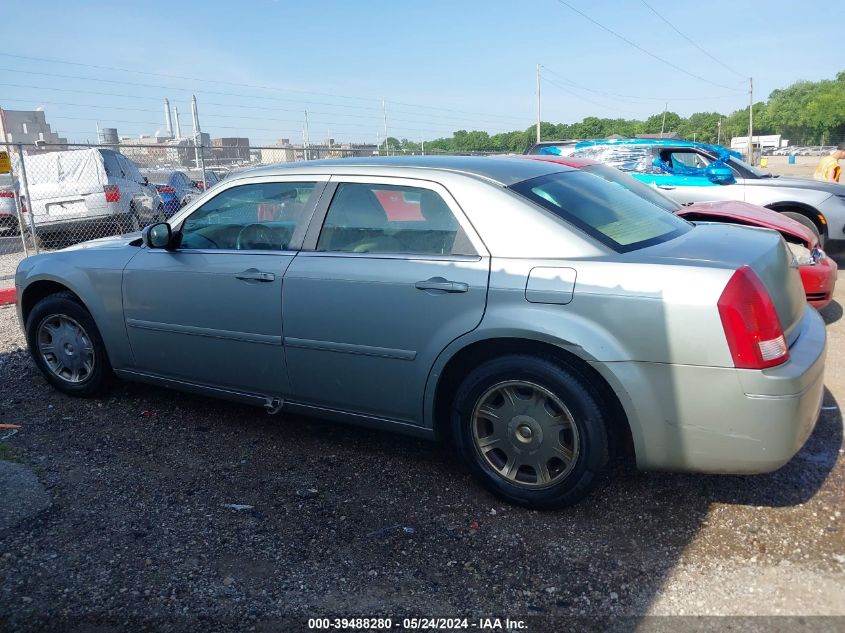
[[539, 317]]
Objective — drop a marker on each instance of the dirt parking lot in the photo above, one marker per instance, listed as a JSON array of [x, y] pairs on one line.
[[137, 531]]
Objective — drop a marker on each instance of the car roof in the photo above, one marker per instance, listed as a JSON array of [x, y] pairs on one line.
[[504, 170], [652, 142], [569, 161]]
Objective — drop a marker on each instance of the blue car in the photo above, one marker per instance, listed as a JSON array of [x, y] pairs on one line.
[[697, 172], [175, 188]]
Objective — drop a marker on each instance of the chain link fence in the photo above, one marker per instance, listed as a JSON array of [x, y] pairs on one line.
[[59, 195]]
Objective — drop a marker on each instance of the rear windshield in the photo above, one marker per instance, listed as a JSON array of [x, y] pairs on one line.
[[606, 211], [633, 185]]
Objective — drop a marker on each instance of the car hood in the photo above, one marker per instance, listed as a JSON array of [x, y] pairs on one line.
[[833, 188], [114, 241], [752, 214]]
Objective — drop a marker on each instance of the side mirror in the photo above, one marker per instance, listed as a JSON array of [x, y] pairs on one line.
[[720, 174], [157, 235]]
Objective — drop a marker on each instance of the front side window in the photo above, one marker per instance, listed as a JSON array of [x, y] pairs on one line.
[[369, 218], [258, 216], [609, 213]]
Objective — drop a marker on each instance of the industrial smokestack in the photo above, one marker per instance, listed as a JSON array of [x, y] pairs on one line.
[[178, 126], [195, 115], [167, 122]]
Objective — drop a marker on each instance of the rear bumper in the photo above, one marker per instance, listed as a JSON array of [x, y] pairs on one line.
[[819, 282], [723, 420]]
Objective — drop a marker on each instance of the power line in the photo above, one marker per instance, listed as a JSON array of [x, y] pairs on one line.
[[624, 96], [373, 109], [215, 116], [690, 40], [583, 98], [644, 50], [440, 121], [242, 85]]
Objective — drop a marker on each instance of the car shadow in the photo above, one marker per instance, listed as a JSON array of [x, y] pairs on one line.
[[836, 251], [831, 313], [408, 516]]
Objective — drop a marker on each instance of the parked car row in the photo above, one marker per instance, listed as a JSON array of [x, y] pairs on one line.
[[8, 206], [79, 194], [696, 172], [798, 150], [542, 314]]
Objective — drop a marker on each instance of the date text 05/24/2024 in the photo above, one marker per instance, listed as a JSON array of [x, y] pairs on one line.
[[417, 624]]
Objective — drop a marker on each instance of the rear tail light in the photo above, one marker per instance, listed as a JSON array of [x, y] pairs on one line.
[[112, 193], [165, 189], [751, 324], [7, 194]]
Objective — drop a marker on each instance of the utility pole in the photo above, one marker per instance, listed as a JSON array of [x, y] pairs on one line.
[[384, 112], [750, 120], [538, 103], [719, 132], [663, 125], [198, 149], [306, 141], [422, 143]]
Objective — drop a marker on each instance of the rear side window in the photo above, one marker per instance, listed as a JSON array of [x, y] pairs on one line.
[[365, 218], [129, 169], [112, 165], [609, 213]]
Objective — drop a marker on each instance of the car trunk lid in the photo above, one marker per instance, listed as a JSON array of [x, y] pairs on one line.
[[731, 247]]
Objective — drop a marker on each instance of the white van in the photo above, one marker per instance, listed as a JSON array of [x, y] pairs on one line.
[[87, 192]]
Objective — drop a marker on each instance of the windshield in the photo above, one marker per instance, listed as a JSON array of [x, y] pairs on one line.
[[608, 212], [634, 186], [742, 166]]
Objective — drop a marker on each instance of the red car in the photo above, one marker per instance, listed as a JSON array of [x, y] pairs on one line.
[[818, 271]]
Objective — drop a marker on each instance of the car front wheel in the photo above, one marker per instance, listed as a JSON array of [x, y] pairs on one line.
[[66, 346], [530, 430]]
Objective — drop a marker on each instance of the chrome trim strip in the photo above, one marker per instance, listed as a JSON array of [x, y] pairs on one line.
[[363, 419], [403, 256], [191, 386], [192, 330], [350, 348]]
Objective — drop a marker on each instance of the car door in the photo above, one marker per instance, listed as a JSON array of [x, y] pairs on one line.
[[681, 175], [210, 310], [391, 273]]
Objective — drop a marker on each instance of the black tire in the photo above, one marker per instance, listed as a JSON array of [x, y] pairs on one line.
[[566, 385], [803, 219], [65, 304]]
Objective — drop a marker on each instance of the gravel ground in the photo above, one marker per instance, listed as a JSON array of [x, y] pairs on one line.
[[350, 522]]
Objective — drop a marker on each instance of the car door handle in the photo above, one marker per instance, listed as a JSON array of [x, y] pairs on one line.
[[255, 275], [438, 283], [666, 187]]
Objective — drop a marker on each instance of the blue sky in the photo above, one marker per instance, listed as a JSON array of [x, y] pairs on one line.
[[440, 66]]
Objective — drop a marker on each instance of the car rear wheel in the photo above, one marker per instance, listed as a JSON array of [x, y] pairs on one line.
[[530, 430], [66, 346], [803, 219]]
